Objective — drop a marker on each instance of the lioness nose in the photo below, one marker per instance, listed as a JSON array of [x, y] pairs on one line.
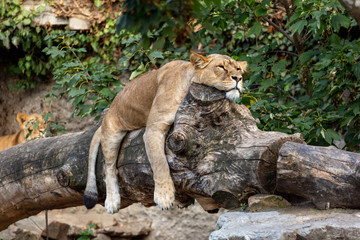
[[237, 79]]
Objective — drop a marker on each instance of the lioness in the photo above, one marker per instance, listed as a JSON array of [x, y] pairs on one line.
[[152, 100], [26, 124]]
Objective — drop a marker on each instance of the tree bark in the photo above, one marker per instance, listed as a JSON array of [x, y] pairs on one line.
[[216, 154], [326, 176], [353, 7]]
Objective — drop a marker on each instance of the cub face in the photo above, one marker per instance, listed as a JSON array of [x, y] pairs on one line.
[[221, 72], [33, 124]]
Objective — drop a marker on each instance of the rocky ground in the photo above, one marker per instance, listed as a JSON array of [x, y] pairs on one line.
[[134, 222]]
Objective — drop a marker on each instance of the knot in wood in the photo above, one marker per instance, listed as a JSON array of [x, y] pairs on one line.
[[177, 142], [63, 178]]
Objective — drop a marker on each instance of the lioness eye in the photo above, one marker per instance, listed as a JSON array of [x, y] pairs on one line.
[[221, 66], [238, 69]]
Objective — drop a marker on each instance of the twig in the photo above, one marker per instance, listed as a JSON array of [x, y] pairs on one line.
[[280, 51], [47, 224], [279, 29], [77, 58], [291, 97]]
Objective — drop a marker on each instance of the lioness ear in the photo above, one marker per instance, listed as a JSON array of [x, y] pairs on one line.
[[243, 65], [199, 61], [21, 118]]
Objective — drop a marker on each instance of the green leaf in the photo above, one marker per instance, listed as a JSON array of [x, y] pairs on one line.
[[159, 44], [41, 8], [279, 67], [261, 11], [26, 21], [255, 30], [267, 83], [210, 27], [98, 3], [141, 69], [76, 92], [332, 134], [298, 26], [107, 93], [155, 54], [338, 21], [306, 56], [356, 69]]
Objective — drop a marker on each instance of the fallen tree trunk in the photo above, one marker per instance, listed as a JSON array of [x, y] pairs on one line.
[[326, 176], [216, 154]]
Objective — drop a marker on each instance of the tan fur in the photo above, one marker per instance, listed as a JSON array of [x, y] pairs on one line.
[[151, 101], [25, 122]]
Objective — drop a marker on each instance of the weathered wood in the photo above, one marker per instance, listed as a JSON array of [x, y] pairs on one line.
[[219, 157], [326, 176]]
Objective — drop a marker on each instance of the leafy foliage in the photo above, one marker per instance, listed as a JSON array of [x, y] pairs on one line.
[[53, 128], [18, 33], [304, 68], [303, 74], [92, 86], [88, 233]]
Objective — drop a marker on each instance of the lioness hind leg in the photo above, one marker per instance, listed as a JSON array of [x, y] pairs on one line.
[[110, 144]]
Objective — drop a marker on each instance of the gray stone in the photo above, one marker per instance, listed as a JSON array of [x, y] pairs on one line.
[[47, 17], [289, 224]]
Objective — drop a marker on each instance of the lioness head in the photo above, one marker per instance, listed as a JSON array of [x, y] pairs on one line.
[[33, 125], [221, 72]]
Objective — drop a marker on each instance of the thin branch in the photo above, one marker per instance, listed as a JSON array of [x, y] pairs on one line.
[[308, 36], [77, 58], [281, 51], [279, 29]]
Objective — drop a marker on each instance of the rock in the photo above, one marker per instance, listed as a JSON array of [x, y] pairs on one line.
[[74, 232], [21, 234], [26, 235], [127, 229], [57, 230], [264, 202], [77, 23], [47, 17], [103, 236], [289, 224]]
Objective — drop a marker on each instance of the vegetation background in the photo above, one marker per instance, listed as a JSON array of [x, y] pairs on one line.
[[304, 68]]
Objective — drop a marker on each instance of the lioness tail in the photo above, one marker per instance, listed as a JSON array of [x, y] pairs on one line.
[[91, 194]]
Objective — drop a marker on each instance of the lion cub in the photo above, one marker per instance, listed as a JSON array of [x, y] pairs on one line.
[[25, 122], [151, 100]]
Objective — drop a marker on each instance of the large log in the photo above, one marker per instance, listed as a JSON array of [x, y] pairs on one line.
[[216, 154], [326, 176]]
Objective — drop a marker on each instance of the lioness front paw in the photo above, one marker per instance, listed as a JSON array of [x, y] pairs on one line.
[[112, 203], [164, 195]]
